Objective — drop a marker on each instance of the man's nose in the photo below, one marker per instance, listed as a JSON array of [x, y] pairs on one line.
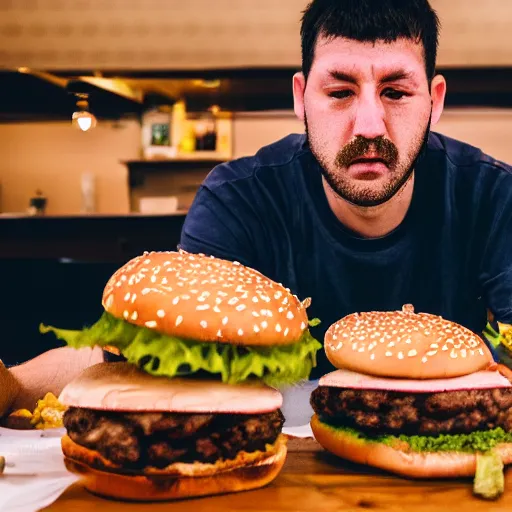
[[369, 117]]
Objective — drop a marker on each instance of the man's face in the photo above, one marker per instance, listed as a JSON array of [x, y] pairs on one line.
[[366, 110]]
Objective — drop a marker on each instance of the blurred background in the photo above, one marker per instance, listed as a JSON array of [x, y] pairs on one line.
[[112, 112]]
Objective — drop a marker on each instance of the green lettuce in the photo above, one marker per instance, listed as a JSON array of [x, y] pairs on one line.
[[475, 442], [170, 356]]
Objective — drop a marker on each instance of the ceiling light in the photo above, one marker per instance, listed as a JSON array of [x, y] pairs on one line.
[[82, 118]]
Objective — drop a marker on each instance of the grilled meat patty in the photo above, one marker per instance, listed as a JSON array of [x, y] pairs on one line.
[[449, 412], [137, 440]]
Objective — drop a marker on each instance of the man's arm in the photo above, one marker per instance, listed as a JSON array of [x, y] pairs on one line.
[[21, 386]]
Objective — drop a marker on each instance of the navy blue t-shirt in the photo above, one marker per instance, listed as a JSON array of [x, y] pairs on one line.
[[451, 256]]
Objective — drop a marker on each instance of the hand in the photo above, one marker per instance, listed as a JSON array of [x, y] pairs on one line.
[[9, 389]]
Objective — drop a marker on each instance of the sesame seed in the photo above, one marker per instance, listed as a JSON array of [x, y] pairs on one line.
[[372, 357], [153, 279], [216, 309], [453, 354], [233, 301], [202, 307], [240, 332], [134, 296], [278, 328], [412, 353], [302, 325], [203, 324], [391, 344], [463, 352], [255, 313], [255, 299], [127, 296], [145, 291], [219, 334], [264, 324], [135, 315], [423, 359], [179, 319], [240, 307], [225, 320], [289, 315], [256, 328], [126, 314], [160, 313], [388, 354], [432, 353], [175, 300], [400, 355], [286, 331], [151, 324]]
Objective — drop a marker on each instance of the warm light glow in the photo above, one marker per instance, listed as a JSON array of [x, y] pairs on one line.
[[207, 83], [84, 120], [84, 123]]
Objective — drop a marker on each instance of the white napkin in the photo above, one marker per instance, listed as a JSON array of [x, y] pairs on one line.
[[299, 431], [34, 474]]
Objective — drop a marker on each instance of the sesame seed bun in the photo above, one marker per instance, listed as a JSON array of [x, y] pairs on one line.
[[401, 460], [203, 298], [405, 344], [179, 480]]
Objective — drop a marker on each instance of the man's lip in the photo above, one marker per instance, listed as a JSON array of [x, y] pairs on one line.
[[369, 161]]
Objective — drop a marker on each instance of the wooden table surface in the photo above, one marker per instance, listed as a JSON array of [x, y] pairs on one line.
[[313, 480]]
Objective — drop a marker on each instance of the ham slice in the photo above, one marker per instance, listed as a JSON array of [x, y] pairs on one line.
[[478, 380], [123, 387]]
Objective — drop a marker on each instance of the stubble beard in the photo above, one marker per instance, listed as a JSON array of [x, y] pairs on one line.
[[335, 174]]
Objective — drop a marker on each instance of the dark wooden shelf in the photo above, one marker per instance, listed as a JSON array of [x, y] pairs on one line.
[[138, 169], [171, 164]]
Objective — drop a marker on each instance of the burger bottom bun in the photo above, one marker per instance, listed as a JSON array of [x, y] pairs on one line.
[[169, 484], [409, 464]]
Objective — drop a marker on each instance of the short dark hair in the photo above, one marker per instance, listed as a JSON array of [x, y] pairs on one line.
[[370, 20]]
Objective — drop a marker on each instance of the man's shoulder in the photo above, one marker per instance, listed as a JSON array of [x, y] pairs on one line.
[[463, 156], [278, 154]]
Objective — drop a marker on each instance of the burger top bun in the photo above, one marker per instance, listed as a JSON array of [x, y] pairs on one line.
[[205, 299], [124, 387], [405, 344]]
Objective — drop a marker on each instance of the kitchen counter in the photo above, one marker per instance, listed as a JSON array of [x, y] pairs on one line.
[[314, 480], [95, 237]]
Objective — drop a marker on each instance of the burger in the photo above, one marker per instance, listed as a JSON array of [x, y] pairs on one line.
[[134, 436], [416, 395], [192, 408]]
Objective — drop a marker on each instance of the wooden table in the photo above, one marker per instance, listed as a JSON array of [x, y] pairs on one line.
[[313, 480]]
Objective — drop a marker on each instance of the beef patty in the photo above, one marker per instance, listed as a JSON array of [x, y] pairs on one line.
[[449, 412], [138, 440]]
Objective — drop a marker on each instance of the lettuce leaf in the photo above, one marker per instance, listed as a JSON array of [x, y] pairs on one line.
[[489, 481], [474, 442], [170, 356]]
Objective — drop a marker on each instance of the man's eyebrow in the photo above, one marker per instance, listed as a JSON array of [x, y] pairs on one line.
[[393, 76], [341, 76]]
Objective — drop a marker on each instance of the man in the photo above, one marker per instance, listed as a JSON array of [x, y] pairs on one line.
[[369, 210]]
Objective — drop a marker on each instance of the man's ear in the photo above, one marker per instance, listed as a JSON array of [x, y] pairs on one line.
[[438, 93], [299, 86]]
